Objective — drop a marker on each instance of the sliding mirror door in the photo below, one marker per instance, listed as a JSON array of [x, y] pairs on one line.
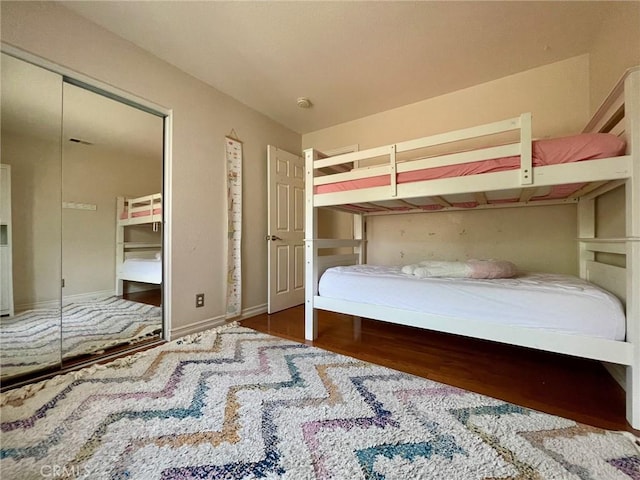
[[81, 219], [111, 245], [30, 154]]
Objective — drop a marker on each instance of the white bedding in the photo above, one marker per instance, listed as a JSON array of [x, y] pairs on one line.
[[552, 302], [146, 270]]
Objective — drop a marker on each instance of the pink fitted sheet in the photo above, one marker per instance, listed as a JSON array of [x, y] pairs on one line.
[[586, 146]]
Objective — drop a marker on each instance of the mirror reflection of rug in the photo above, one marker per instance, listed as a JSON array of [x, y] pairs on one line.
[[239, 404], [35, 338]]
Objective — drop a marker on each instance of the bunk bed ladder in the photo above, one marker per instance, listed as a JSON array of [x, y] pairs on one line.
[[626, 286], [632, 128]]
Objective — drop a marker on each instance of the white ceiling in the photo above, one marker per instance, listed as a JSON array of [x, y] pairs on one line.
[[351, 59]]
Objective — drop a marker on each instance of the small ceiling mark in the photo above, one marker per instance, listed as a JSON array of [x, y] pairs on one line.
[[82, 142]]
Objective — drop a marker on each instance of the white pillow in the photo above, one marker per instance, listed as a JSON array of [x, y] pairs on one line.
[[468, 269]]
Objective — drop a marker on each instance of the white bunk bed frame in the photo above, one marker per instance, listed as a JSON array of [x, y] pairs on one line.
[[620, 114], [150, 203]]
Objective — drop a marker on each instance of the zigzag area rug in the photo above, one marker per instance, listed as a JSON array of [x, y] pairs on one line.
[[36, 338], [238, 404]]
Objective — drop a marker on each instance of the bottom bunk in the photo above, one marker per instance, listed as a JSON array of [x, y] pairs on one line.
[[139, 265], [528, 311], [542, 302], [145, 269], [549, 312]]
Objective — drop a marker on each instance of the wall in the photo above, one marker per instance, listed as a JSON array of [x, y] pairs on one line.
[[202, 117], [536, 238], [616, 47], [556, 94]]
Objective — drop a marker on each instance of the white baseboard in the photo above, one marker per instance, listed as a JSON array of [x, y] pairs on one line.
[[215, 322], [252, 312], [46, 305], [196, 327], [66, 300], [618, 372], [87, 297]]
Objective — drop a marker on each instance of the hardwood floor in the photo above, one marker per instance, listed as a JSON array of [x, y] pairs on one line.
[[150, 297], [570, 387]]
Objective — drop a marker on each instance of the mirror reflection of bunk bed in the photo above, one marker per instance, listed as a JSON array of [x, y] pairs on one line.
[[602, 325], [139, 261], [94, 325]]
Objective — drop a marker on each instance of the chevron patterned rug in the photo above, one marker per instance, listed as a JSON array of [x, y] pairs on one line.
[[238, 404], [32, 339]]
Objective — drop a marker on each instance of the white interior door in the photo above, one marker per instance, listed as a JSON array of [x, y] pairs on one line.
[[285, 234]]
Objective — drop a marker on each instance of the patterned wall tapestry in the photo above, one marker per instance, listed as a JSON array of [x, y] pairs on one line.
[[233, 154]]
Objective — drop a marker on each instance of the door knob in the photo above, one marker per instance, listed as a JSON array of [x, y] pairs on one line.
[[273, 238]]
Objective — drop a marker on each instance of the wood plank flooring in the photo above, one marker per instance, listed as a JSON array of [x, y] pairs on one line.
[[570, 387]]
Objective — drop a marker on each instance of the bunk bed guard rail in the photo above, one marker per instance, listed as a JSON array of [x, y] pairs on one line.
[[522, 149]]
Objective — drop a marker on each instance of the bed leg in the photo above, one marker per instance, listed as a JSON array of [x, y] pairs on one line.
[[310, 323], [357, 328], [633, 396], [119, 288]]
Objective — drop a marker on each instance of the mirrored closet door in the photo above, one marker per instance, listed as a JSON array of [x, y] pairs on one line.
[[31, 159], [81, 198]]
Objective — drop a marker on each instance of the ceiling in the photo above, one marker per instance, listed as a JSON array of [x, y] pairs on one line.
[[352, 59]]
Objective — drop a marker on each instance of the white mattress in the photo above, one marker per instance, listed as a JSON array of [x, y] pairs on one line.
[[551, 302], [146, 270]]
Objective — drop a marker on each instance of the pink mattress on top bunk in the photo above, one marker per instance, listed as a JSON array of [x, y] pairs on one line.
[[142, 213], [587, 146]]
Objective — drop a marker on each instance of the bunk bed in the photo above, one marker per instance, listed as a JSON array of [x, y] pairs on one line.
[[138, 261], [408, 177]]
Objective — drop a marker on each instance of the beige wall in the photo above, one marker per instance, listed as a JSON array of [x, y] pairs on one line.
[[616, 47], [513, 234], [202, 117], [535, 239], [556, 94]]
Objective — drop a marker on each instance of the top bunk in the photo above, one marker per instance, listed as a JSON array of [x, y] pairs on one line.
[[487, 166], [139, 210]]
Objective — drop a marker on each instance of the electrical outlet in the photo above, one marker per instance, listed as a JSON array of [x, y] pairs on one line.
[[199, 300]]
